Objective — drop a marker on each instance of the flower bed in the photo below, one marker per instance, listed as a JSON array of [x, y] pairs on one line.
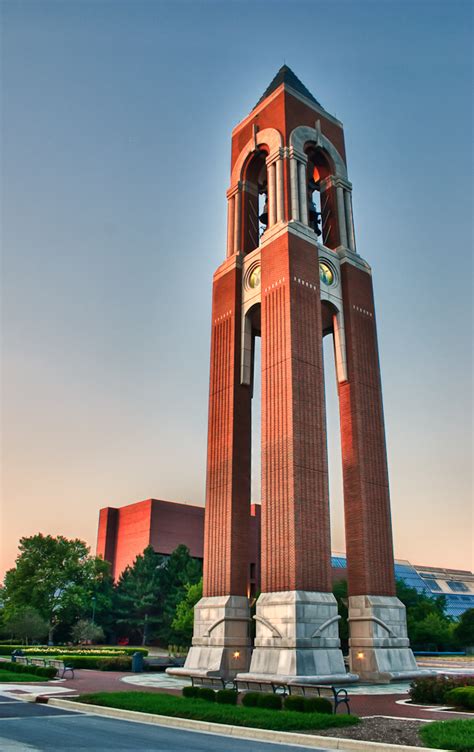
[[51, 650], [433, 689]]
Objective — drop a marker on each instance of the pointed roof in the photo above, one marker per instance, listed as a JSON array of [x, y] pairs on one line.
[[286, 76]]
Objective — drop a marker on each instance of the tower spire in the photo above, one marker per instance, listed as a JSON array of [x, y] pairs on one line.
[[286, 76]]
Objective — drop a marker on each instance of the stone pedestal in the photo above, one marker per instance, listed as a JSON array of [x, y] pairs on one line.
[[221, 643], [379, 649], [297, 639]]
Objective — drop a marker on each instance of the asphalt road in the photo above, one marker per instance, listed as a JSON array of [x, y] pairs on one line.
[[29, 727]]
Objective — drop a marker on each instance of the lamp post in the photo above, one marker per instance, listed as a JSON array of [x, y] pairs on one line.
[[93, 608]]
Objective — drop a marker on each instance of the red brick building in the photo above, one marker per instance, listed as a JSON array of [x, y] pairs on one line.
[[124, 532]]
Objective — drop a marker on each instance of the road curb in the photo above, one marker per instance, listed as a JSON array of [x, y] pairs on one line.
[[241, 732]]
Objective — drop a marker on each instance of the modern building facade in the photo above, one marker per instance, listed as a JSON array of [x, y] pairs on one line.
[[292, 275]]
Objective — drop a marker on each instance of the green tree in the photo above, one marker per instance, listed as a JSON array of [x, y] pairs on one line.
[[86, 630], [434, 632], [57, 577], [183, 622], [180, 570], [138, 603], [148, 592], [464, 629], [26, 624], [339, 589]]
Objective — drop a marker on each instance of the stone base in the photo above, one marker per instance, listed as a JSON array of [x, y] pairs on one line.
[[221, 643], [379, 649], [297, 640]]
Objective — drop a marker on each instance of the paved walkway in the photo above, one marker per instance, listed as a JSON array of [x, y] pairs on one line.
[[369, 704]]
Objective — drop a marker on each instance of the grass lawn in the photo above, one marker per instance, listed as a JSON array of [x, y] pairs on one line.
[[14, 677], [203, 710], [457, 735]]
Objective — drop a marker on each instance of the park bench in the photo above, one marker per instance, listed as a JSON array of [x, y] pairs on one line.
[[37, 662], [22, 660], [61, 668], [261, 685], [338, 696], [211, 681]]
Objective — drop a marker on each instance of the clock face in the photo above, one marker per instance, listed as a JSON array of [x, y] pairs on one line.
[[254, 279], [326, 274]]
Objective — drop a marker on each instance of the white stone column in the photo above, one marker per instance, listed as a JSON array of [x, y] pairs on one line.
[[349, 219], [237, 220], [303, 191], [341, 215], [280, 191], [271, 197], [230, 225], [295, 214]]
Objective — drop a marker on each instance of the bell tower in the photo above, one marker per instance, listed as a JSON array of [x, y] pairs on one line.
[[292, 275]]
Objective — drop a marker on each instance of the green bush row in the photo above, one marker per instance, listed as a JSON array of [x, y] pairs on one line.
[[462, 697], [292, 702], [261, 700], [433, 689], [114, 663], [222, 696], [46, 672]]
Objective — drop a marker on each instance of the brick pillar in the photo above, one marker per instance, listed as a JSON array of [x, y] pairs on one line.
[[366, 491], [295, 509], [227, 517]]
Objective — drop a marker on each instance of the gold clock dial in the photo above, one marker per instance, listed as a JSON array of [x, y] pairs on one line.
[[254, 279], [326, 274]]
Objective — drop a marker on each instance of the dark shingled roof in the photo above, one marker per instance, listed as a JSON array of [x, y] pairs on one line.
[[286, 76]]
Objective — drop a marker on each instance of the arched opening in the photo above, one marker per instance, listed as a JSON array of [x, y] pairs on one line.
[[320, 215], [255, 217], [333, 430]]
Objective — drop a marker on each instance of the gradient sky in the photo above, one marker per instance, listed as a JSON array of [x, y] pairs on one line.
[[116, 126]]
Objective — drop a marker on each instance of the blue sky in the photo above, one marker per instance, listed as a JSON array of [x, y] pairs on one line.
[[116, 122]]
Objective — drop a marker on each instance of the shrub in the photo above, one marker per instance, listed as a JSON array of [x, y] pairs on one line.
[[433, 689], [458, 735], [45, 672], [190, 691], [295, 702], [206, 693], [106, 663], [118, 663], [250, 699], [317, 705], [462, 697], [227, 696], [270, 701]]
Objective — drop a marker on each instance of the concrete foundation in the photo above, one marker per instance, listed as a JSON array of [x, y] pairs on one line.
[[379, 649], [297, 639], [221, 642]]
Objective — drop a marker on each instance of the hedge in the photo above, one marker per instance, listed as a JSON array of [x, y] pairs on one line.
[[433, 689], [99, 663], [46, 672], [457, 735], [462, 697]]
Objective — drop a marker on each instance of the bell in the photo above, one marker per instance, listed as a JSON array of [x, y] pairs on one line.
[[264, 215], [314, 219]]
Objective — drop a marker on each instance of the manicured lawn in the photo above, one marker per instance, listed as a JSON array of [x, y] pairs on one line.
[[203, 710], [11, 677], [457, 735]]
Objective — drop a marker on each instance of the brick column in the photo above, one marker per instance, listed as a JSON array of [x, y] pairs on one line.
[[366, 491], [227, 517], [295, 510]]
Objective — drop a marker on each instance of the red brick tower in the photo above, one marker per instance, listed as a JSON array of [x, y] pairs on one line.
[[292, 275]]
